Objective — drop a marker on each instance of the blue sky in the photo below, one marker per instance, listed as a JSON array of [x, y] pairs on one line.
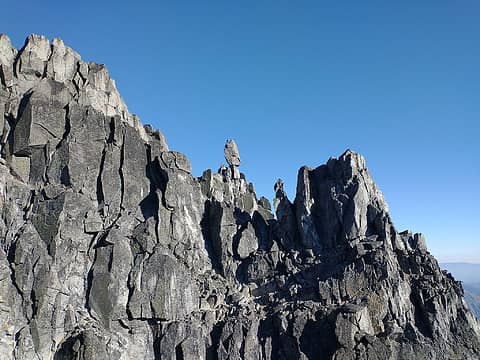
[[297, 82]]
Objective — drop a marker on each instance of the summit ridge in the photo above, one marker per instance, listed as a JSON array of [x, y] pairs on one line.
[[111, 249]]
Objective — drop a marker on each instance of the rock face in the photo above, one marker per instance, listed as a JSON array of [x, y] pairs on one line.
[[111, 249]]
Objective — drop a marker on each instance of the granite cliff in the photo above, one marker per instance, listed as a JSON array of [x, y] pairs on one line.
[[111, 249]]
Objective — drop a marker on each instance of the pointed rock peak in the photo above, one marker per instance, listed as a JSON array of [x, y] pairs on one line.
[[63, 62], [353, 159], [37, 44], [57, 42], [7, 51], [348, 152], [148, 129], [231, 153], [33, 57], [278, 187], [157, 135], [59, 48]]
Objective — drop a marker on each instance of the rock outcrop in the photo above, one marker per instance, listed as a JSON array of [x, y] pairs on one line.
[[111, 249]]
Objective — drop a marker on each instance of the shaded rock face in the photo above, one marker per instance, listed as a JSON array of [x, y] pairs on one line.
[[111, 249]]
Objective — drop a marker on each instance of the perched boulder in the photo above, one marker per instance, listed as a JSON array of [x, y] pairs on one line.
[[231, 153]]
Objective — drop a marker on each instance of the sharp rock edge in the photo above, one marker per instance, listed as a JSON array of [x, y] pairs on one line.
[[110, 249]]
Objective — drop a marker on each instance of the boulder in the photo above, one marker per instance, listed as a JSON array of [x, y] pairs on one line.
[[231, 153]]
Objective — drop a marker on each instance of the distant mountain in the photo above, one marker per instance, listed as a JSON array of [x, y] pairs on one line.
[[469, 275]]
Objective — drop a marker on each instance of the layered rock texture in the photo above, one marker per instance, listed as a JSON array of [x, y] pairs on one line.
[[111, 249]]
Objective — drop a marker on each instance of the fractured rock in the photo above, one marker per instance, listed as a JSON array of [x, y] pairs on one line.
[[247, 243], [111, 249], [231, 153]]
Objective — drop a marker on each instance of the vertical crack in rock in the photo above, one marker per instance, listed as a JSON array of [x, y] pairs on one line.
[[120, 172], [100, 194], [11, 266], [13, 124], [109, 144], [7, 146], [90, 273], [150, 204], [179, 352], [67, 130]]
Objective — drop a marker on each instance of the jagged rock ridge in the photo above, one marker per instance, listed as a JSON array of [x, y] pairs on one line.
[[111, 249]]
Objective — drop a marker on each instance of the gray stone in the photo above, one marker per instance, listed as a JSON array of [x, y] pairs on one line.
[[111, 249], [34, 55], [162, 289], [6, 75], [7, 51], [42, 119], [419, 242], [21, 167], [247, 243], [93, 222], [231, 153], [63, 62], [175, 160]]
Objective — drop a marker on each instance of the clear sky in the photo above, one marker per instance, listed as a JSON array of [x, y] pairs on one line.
[[295, 82]]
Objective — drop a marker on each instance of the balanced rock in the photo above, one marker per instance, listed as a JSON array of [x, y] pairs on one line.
[[231, 153]]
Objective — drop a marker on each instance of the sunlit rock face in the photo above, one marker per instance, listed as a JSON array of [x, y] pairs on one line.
[[111, 249]]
